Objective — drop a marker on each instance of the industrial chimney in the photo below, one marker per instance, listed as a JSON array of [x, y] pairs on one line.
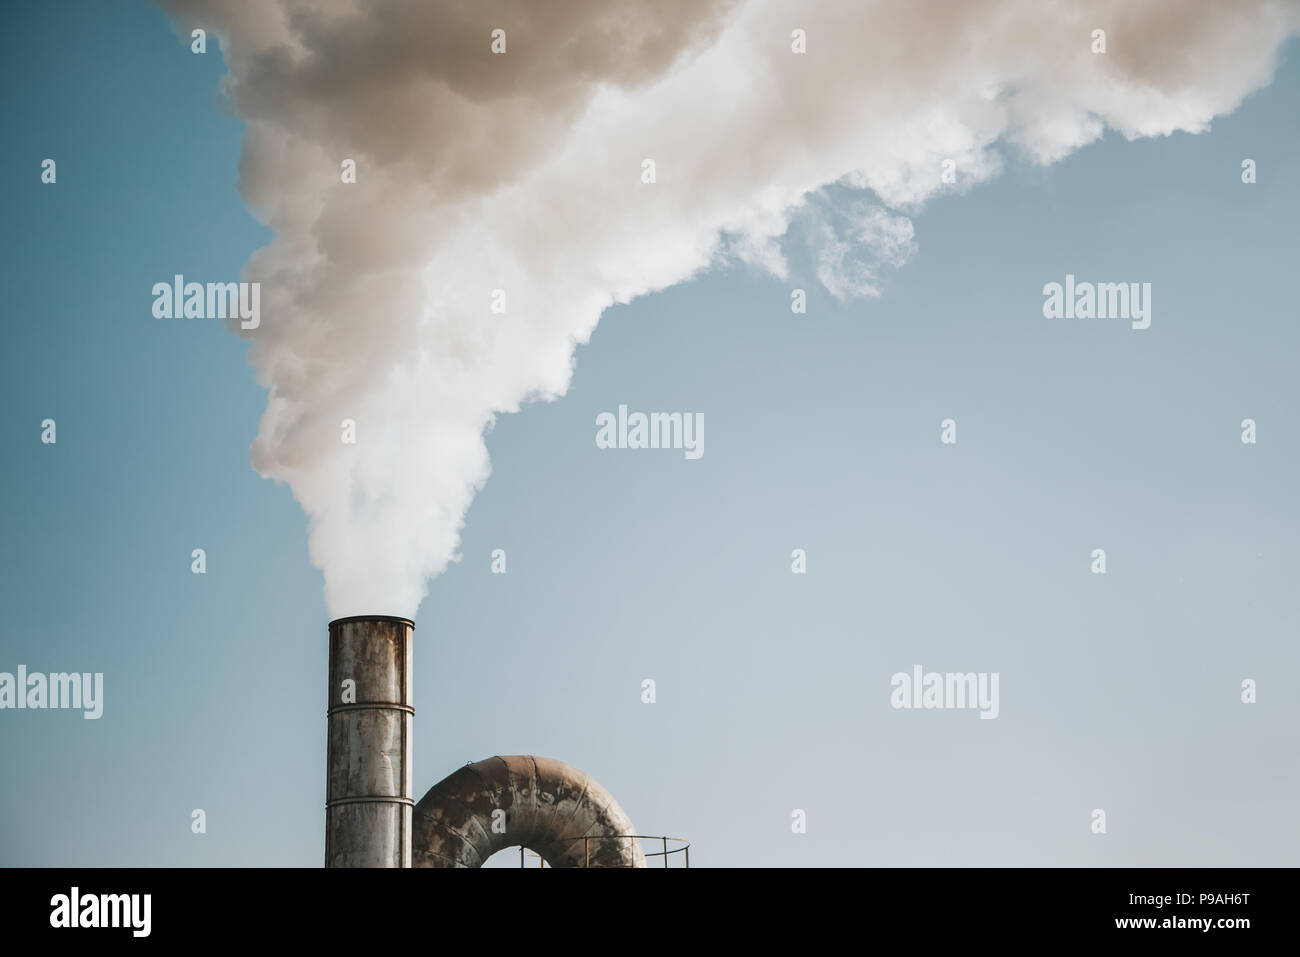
[[368, 800]]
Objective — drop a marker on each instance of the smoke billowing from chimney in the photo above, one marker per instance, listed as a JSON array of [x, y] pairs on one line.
[[522, 172]]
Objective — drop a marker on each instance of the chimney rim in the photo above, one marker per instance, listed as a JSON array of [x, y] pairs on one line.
[[351, 618]]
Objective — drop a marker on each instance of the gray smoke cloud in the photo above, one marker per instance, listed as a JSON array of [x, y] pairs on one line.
[[522, 172]]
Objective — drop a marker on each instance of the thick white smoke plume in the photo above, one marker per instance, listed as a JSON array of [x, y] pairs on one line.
[[522, 171]]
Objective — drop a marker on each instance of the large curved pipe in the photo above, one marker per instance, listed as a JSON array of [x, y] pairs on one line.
[[544, 805]]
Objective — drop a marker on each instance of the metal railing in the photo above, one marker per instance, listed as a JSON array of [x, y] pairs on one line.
[[684, 849]]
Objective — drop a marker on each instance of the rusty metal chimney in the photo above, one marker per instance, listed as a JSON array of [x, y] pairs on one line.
[[368, 800]]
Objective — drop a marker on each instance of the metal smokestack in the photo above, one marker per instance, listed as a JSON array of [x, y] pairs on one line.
[[368, 800]]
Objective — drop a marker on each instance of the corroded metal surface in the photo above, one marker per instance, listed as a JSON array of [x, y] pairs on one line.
[[368, 773], [546, 806]]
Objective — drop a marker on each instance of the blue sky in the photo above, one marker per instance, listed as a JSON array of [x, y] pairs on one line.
[[1118, 692]]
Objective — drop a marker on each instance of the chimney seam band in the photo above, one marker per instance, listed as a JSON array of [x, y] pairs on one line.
[[370, 799], [375, 706]]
